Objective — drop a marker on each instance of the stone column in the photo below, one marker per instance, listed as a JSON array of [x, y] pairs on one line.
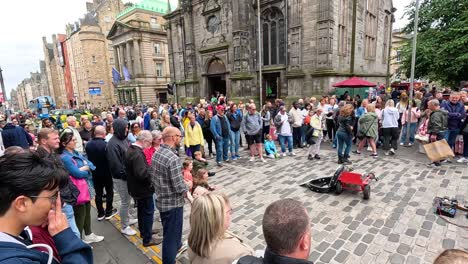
[[137, 55], [129, 58]]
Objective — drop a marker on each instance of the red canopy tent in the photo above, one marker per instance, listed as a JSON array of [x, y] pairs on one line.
[[354, 82]]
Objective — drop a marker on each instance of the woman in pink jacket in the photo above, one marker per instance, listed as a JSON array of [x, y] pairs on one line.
[[415, 114]]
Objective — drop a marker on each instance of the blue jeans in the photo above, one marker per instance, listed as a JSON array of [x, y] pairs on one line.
[[412, 132], [68, 211], [345, 140], [282, 140], [451, 136], [235, 139], [222, 148], [145, 212], [172, 222]]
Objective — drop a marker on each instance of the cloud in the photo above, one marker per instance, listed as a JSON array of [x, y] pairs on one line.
[[24, 23]]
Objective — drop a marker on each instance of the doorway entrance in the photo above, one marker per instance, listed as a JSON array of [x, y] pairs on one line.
[[271, 85], [217, 84], [162, 98], [216, 77]]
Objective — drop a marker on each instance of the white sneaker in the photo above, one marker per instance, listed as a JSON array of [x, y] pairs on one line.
[[92, 238], [271, 156], [462, 160], [283, 154], [263, 160], [369, 148], [402, 144], [132, 221], [128, 231], [392, 151], [292, 154], [252, 159]]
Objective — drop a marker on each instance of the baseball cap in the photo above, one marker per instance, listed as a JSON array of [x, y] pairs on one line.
[[219, 107]]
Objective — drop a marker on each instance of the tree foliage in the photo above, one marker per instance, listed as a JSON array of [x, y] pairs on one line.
[[442, 46]]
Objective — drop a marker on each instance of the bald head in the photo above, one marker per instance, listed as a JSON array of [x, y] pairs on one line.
[[172, 137], [100, 132], [122, 113]]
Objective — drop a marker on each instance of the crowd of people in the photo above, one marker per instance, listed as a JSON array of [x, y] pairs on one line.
[[138, 151]]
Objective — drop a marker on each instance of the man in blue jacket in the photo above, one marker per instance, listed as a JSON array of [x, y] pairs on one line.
[[16, 136], [29, 196], [220, 128], [456, 115]]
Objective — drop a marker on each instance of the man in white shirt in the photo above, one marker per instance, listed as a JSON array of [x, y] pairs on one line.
[[71, 121], [284, 131], [296, 114]]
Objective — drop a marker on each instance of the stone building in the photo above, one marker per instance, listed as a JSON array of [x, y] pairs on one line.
[[140, 46], [29, 88], [306, 46], [53, 72], [90, 54], [86, 51], [14, 104], [399, 38]]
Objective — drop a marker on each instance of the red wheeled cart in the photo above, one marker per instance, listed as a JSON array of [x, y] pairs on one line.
[[343, 179]]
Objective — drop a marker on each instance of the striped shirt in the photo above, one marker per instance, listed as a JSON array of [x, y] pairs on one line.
[[168, 180]]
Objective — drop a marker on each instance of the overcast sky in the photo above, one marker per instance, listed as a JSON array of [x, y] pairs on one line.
[[23, 23]]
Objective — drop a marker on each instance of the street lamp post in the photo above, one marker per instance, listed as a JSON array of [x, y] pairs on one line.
[[259, 53], [413, 63]]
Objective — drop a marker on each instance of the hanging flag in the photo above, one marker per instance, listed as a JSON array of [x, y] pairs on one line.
[[126, 74], [115, 76]]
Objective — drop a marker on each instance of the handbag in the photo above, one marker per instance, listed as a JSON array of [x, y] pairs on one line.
[[82, 186], [422, 132]]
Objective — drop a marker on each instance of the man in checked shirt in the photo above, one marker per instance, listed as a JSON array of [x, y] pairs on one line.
[[166, 173]]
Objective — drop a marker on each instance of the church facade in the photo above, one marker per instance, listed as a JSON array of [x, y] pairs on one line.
[[306, 46]]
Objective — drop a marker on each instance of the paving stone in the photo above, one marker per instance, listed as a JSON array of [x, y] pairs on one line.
[[346, 234], [385, 231], [403, 249], [328, 255], [322, 246], [424, 233], [427, 225], [448, 243], [411, 232], [397, 259], [360, 249], [338, 244], [353, 225], [394, 237], [355, 237], [413, 260], [368, 238], [341, 256]]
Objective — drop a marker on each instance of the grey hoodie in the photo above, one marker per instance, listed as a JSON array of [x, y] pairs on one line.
[[252, 124], [117, 148]]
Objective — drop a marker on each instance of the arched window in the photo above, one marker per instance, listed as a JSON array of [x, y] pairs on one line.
[[274, 37]]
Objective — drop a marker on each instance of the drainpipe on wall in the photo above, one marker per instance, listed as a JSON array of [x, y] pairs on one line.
[[353, 38]]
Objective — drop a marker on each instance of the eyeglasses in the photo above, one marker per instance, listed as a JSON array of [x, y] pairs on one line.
[[52, 198]]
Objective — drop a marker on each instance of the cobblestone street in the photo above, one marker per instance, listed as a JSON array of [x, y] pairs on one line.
[[397, 224]]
